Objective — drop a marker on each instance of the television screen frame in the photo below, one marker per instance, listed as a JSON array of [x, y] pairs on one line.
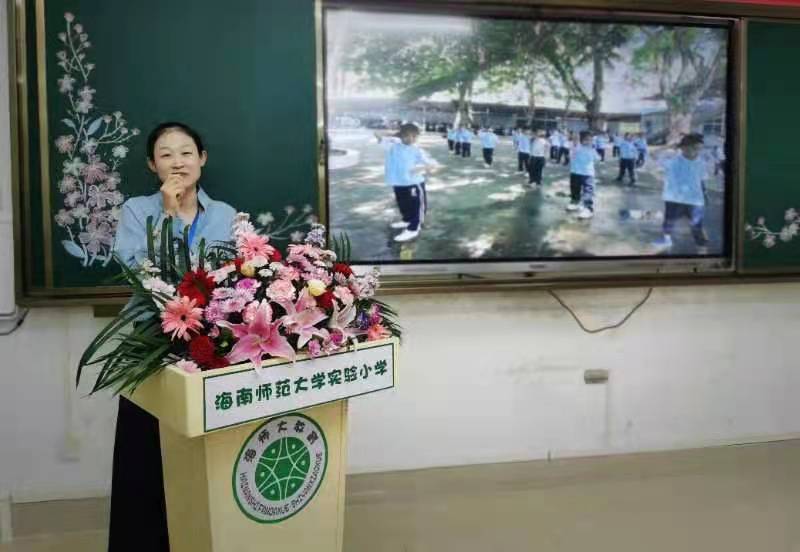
[[555, 268]]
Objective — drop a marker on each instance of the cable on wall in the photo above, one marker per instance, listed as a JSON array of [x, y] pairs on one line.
[[639, 305]]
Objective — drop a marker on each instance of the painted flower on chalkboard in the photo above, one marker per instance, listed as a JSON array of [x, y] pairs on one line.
[[92, 148], [291, 228], [769, 237]]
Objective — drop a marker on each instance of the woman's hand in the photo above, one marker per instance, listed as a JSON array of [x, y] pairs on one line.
[[172, 191]]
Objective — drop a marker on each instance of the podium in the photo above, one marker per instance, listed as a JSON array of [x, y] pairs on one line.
[[256, 461]]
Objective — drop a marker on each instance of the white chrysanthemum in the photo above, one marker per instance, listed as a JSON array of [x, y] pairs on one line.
[[242, 224], [157, 285], [148, 267], [258, 261]]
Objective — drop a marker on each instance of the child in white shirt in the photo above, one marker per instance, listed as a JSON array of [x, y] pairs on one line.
[[581, 178], [405, 167]]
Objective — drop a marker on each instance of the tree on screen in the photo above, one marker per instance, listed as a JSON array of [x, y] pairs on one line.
[[579, 45], [688, 62]]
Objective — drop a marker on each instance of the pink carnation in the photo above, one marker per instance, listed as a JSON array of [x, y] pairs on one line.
[[187, 366], [245, 295], [234, 305], [222, 292], [249, 313], [214, 312], [281, 290], [248, 284], [288, 273]]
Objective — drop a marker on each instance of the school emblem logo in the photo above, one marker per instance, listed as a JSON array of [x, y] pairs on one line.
[[280, 468]]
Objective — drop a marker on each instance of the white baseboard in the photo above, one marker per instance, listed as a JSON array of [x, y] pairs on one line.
[[26, 496], [9, 321], [5, 520]]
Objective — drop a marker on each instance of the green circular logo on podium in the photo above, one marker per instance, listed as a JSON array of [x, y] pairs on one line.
[[280, 468], [283, 468]]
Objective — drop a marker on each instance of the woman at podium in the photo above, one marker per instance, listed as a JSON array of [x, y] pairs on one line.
[[176, 155]]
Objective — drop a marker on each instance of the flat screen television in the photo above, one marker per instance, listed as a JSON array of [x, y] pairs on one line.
[[486, 141]]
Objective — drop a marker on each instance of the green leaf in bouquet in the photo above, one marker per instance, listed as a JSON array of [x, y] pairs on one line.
[[184, 246], [127, 316], [163, 250], [151, 250], [201, 254], [171, 253]]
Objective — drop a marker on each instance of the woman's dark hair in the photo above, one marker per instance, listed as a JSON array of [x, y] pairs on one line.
[[163, 128]]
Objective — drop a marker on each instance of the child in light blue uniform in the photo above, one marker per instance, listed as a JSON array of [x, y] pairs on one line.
[[616, 139], [581, 178], [627, 159], [536, 162], [403, 164], [555, 145], [488, 143], [465, 137], [567, 143], [600, 143], [523, 150], [641, 149], [684, 193], [451, 138]]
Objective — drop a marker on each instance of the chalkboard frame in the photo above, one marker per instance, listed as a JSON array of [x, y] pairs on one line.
[[23, 126]]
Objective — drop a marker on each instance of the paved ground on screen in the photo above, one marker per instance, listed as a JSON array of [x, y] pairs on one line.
[[475, 212]]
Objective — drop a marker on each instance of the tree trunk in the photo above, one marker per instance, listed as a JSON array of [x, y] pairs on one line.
[[530, 85], [564, 117], [681, 116], [595, 106], [464, 105], [680, 124]]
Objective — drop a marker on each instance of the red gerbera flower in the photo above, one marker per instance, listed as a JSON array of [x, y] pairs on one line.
[[343, 268], [326, 300], [197, 285]]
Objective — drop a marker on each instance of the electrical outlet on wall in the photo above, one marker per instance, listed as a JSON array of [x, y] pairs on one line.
[[593, 377], [71, 448]]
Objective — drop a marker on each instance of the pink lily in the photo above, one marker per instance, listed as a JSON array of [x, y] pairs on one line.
[[301, 317], [341, 322], [257, 338]]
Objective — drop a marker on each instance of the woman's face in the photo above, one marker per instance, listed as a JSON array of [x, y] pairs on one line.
[[176, 153]]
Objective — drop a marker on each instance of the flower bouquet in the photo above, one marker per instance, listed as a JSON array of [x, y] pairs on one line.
[[235, 302]]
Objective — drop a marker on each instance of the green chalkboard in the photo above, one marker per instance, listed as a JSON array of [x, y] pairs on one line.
[[772, 175], [243, 73]]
